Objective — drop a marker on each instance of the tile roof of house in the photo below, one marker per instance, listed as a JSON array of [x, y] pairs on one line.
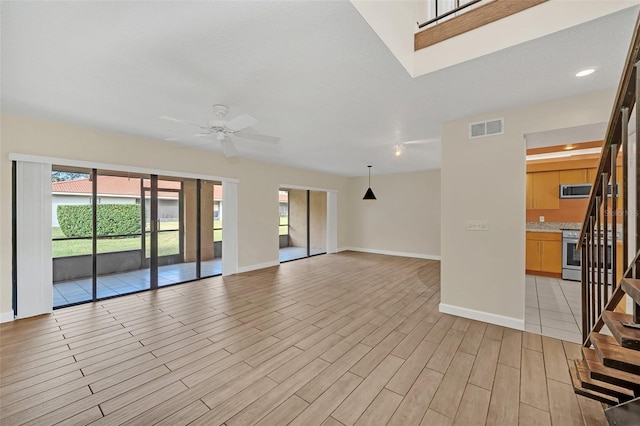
[[117, 185]]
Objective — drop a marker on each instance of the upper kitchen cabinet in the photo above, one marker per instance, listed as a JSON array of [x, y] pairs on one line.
[[529, 190], [545, 190], [568, 177]]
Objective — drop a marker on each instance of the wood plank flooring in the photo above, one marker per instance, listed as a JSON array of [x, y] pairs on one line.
[[343, 339]]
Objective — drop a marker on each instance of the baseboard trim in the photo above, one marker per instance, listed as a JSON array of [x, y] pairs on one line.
[[257, 266], [394, 253], [6, 316], [510, 322]]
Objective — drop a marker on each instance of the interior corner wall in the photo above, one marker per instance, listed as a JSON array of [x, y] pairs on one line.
[[403, 221], [257, 207], [482, 273]]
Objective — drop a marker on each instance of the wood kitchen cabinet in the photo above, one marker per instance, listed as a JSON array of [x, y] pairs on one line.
[[529, 190], [544, 254], [545, 191], [573, 176]]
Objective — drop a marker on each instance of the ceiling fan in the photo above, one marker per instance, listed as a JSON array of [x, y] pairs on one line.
[[224, 130]]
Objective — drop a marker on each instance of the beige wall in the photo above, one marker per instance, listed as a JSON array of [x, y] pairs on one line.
[[404, 219], [484, 179], [257, 190], [318, 219], [297, 218]]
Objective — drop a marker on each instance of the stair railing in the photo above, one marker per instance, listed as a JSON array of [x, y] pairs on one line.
[[599, 272], [440, 15]]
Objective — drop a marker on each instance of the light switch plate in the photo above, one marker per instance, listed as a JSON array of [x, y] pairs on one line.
[[477, 225], [541, 219]]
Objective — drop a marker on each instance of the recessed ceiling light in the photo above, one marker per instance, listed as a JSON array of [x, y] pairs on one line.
[[585, 73]]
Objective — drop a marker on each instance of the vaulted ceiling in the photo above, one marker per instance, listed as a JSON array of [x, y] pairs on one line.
[[313, 73]]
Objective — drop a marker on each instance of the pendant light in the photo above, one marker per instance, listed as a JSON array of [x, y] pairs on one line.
[[369, 194]]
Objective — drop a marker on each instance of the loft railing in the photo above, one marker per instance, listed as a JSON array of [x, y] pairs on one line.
[[458, 6], [601, 288]]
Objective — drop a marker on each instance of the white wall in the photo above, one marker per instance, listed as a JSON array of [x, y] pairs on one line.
[[395, 24], [484, 179], [405, 218], [257, 190]]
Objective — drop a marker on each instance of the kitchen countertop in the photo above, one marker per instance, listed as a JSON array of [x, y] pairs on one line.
[[552, 226]]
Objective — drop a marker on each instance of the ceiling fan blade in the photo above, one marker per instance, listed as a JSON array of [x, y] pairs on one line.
[[259, 138], [178, 138], [241, 122], [228, 148], [421, 141], [178, 120]]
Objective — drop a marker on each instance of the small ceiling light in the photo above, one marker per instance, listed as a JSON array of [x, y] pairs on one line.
[[585, 73], [369, 194], [398, 151], [569, 147]]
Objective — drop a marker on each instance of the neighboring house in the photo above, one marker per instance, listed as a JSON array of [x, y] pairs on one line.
[[120, 190]]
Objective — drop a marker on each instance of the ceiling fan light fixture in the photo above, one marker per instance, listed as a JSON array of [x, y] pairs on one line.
[[220, 110], [397, 151], [369, 195]]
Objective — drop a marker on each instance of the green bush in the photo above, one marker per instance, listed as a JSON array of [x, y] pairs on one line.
[[113, 219]]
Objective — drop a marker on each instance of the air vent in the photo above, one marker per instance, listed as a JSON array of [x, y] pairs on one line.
[[486, 128]]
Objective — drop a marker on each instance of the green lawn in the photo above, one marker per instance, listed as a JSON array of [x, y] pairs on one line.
[[284, 226], [167, 241]]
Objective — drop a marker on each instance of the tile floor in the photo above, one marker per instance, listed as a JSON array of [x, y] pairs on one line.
[[79, 290], [293, 253], [553, 308]]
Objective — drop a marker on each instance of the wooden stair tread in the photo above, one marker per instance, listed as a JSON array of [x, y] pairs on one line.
[[610, 375], [627, 337], [615, 356], [579, 390], [590, 383], [631, 286]]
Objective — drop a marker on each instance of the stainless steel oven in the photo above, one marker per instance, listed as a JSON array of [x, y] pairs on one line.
[[572, 257]]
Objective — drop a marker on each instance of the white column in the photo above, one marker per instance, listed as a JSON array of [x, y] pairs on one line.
[[332, 222], [33, 242], [229, 228]]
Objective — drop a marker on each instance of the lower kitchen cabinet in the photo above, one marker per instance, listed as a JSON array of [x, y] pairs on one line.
[[544, 254]]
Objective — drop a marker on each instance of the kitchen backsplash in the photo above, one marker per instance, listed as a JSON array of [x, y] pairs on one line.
[[553, 226]]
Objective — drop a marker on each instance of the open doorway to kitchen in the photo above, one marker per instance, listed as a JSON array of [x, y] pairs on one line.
[[561, 166], [302, 223]]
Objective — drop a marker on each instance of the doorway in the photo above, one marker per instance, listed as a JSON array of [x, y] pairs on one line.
[[303, 223]]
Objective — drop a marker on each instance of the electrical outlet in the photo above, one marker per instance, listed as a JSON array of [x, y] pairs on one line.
[[477, 225], [541, 219]]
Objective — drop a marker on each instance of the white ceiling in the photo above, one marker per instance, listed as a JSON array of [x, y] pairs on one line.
[[313, 73]]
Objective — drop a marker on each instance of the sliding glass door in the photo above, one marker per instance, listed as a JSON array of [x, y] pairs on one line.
[[302, 226], [116, 234], [120, 266]]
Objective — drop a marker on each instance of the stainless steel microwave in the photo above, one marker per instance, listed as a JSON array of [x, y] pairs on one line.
[[581, 190]]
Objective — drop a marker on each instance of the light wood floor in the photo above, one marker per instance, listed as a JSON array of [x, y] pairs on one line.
[[337, 339]]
